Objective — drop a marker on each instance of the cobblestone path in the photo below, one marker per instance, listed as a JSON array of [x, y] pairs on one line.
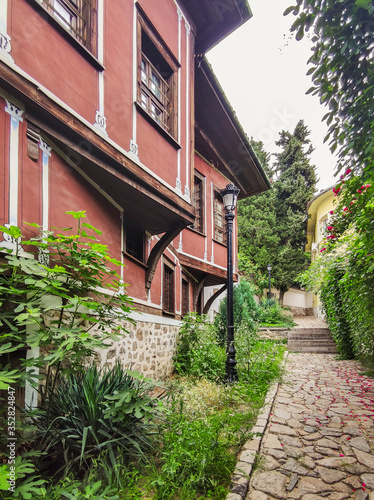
[[319, 440]]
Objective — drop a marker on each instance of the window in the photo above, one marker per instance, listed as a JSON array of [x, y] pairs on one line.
[[323, 223], [168, 289], [199, 203], [219, 218], [185, 306], [134, 241], [157, 74], [78, 17]]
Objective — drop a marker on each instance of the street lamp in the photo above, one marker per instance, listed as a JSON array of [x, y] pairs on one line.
[[230, 197], [268, 267]]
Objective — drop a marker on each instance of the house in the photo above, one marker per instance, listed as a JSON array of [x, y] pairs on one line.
[[111, 107], [319, 212]]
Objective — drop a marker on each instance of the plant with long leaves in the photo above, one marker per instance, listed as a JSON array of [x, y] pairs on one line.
[[108, 410], [62, 307]]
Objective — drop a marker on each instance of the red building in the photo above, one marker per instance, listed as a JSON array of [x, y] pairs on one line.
[[111, 107]]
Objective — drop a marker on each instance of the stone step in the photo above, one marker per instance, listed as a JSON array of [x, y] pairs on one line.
[[315, 349], [317, 340], [311, 342], [296, 336], [310, 330]]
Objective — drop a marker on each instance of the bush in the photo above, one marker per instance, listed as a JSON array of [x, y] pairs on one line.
[[198, 353], [346, 289], [94, 412], [335, 307], [245, 310], [193, 456], [259, 361], [271, 313]]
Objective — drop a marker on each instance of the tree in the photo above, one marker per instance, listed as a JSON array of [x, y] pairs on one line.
[[272, 225], [294, 188], [342, 70], [258, 242]]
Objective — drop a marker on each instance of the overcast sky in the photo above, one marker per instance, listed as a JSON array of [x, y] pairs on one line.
[[262, 70]]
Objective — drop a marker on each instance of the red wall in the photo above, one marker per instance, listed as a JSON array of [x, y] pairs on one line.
[[70, 192], [40, 50], [4, 162], [193, 242]]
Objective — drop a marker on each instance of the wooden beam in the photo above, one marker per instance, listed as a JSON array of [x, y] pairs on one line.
[[213, 298], [61, 124], [197, 291], [219, 157], [158, 250]]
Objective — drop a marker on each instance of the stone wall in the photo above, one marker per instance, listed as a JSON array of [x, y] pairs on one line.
[[273, 333], [301, 311], [148, 347]]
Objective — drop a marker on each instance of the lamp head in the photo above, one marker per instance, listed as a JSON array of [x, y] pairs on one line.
[[268, 267], [230, 197]]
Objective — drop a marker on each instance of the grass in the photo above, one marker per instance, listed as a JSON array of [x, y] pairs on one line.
[[201, 430]]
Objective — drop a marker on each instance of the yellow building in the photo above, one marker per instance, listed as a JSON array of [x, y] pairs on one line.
[[319, 212]]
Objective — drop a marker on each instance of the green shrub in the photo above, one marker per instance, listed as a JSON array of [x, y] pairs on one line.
[[336, 310], [270, 313], [92, 412], [193, 456], [198, 353], [245, 310], [65, 304], [346, 289], [259, 361]]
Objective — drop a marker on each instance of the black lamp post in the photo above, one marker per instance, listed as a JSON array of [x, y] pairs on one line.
[[230, 196], [268, 267]]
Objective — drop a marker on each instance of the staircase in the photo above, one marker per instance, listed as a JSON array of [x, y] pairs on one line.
[[312, 338]]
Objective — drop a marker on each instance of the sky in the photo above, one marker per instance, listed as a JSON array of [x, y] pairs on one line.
[[262, 70]]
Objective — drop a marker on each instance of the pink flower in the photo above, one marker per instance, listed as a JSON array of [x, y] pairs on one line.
[[348, 171], [322, 249], [330, 228], [345, 209], [359, 191], [331, 212]]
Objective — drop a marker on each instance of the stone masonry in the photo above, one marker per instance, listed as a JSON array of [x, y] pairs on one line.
[[148, 348]]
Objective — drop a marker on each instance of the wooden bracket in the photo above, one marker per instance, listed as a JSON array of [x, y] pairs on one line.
[[197, 291], [158, 250], [213, 298]]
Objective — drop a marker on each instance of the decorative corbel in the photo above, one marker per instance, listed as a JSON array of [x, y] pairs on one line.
[[213, 298], [159, 249], [33, 138], [197, 291]]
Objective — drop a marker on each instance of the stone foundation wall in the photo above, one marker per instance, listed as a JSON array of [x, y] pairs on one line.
[[273, 333], [148, 347], [301, 311]]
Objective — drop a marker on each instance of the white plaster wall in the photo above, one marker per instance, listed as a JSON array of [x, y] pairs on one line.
[[298, 298]]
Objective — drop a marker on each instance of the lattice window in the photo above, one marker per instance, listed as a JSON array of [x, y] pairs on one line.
[[168, 289], [76, 16], [134, 241], [157, 74], [219, 218], [185, 306], [199, 203]]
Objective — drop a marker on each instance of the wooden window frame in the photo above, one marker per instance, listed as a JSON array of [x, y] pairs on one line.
[[219, 220], [165, 99], [199, 224], [185, 296], [131, 233], [168, 289], [83, 27]]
